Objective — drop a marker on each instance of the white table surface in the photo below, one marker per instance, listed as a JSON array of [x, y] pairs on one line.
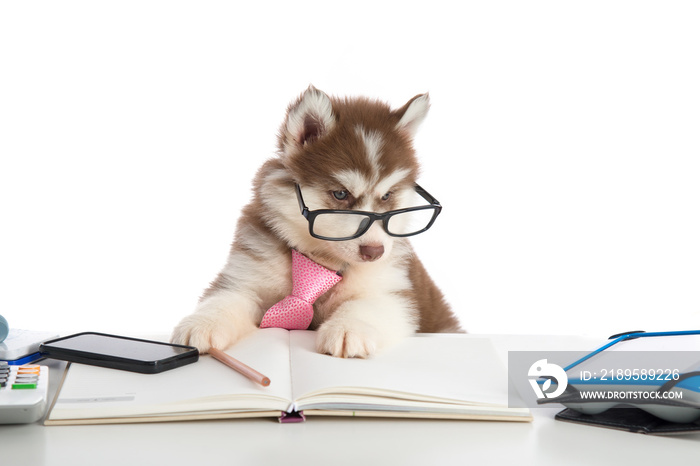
[[353, 441]]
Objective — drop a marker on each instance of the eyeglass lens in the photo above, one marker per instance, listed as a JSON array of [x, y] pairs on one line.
[[342, 225]]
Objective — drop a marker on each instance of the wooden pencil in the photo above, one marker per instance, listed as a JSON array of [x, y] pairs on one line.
[[238, 366]]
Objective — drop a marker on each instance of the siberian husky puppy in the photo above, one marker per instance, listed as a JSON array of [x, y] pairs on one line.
[[334, 155]]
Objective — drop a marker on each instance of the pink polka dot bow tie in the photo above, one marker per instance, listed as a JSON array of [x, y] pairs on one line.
[[309, 281]]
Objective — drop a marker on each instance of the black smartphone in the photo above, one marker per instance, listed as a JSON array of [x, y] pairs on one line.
[[117, 352]]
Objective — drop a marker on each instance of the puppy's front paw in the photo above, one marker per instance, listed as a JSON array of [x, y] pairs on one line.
[[204, 332], [347, 339]]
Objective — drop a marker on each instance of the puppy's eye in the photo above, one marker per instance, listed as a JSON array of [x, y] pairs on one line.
[[340, 195], [386, 196]]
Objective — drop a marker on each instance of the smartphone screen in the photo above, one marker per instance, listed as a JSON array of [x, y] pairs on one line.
[[117, 352]]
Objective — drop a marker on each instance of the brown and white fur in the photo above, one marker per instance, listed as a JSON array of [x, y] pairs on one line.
[[328, 145]]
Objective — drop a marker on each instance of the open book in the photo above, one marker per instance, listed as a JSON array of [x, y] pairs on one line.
[[426, 376]]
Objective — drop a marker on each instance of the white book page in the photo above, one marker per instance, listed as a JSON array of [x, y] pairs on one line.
[[208, 385], [462, 368]]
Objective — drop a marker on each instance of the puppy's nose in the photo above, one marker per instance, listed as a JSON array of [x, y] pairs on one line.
[[371, 252]]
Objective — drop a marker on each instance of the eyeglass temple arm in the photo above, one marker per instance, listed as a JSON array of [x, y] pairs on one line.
[[302, 205], [426, 195]]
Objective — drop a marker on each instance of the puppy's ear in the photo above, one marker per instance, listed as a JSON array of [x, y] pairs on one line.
[[308, 119], [412, 114]]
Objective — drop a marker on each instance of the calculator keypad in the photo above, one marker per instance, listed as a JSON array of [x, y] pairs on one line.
[[19, 378]]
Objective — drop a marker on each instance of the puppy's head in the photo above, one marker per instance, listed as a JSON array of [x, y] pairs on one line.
[[350, 154]]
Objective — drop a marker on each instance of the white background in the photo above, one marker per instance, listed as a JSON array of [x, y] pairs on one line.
[[563, 141]]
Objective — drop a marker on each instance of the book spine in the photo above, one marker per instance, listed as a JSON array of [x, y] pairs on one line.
[[292, 417]]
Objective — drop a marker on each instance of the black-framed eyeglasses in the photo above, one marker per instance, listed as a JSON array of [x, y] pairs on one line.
[[343, 225]]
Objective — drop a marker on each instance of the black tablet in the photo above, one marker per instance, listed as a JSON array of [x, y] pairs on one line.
[[117, 352]]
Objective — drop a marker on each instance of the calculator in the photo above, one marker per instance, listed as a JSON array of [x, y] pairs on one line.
[[23, 393]]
